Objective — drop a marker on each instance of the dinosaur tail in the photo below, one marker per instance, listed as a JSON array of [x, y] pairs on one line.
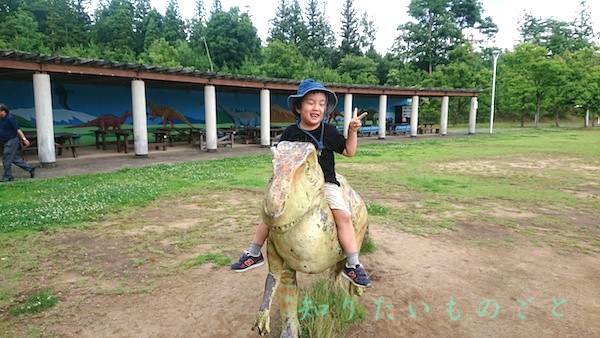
[[186, 121]]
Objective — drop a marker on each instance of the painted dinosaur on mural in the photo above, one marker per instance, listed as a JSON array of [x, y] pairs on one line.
[[241, 118], [168, 115], [302, 231], [104, 122], [280, 114], [334, 116]]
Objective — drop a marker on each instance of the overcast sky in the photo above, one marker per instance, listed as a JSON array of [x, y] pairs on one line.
[[388, 14]]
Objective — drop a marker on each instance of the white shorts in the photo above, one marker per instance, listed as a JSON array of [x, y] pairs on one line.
[[333, 195]]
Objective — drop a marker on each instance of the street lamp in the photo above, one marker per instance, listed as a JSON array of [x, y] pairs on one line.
[[495, 55]]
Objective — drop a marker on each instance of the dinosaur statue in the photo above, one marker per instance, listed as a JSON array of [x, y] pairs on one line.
[[302, 235], [168, 114], [104, 122]]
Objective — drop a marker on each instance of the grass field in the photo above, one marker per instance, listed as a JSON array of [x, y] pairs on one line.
[[127, 233]]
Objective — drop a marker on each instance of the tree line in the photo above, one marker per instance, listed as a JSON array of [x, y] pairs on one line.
[[554, 70]]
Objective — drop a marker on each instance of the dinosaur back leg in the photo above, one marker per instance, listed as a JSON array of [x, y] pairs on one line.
[[288, 303]]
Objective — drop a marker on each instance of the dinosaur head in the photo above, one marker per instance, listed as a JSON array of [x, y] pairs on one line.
[[295, 186]]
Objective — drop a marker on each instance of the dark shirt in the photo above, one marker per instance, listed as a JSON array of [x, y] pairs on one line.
[[8, 128], [332, 140]]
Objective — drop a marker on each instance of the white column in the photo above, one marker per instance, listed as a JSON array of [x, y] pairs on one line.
[[347, 112], [44, 122], [587, 118], [444, 116], [210, 116], [473, 115], [382, 115], [140, 127], [265, 118], [414, 116]]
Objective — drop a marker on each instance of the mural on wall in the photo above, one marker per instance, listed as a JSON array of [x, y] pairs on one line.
[[108, 106]]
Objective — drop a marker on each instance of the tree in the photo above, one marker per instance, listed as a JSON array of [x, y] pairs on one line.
[[174, 27], [296, 24], [161, 53], [404, 74], [582, 83], [67, 24], [540, 75], [583, 29], [141, 9], [438, 27], [282, 60], [360, 69], [465, 70], [198, 26], [278, 29], [153, 28], [114, 29], [231, 38], [367, 38], [555, 35], [350, 36], [216, 7], [20, 32], [7, 7], [319, 36], [288, 25]]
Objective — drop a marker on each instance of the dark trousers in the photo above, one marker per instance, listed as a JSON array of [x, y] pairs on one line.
[[12, 154]]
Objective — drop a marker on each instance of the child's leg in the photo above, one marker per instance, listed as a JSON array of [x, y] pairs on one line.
[[346, 236], [252, 258], [262, 231]]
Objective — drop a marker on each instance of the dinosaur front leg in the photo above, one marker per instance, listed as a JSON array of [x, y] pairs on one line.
[[262, 322], [288, 303]]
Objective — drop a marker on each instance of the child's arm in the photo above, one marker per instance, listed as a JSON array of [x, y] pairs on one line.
[[352, 140]]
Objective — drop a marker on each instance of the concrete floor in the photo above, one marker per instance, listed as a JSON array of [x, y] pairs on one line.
[[92, 160]]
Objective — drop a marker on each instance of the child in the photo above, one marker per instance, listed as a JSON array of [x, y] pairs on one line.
[[311, 103]]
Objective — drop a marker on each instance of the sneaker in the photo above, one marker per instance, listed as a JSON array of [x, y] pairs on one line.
[[247, 262], [32, 172], [356, 275]]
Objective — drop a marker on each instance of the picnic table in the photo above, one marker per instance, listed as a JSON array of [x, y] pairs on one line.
[[61, 141], [252, 134], [427, 128]]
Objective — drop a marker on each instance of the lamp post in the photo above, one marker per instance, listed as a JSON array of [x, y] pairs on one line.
[[495, 55], [208, 54]]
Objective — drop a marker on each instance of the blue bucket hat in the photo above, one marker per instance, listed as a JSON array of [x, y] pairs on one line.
[[307, 86]]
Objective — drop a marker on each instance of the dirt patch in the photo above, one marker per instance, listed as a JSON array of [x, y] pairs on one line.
[[120, 278], [511, 213], [511, 166]]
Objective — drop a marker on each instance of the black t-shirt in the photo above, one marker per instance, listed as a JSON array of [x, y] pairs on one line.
[[332, 141]]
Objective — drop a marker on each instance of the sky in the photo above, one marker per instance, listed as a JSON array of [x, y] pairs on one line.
[[388, 14]]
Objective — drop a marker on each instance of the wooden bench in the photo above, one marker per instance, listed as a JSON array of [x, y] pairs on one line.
[[224, 138], [73, 147], [122, 137], [161, 138]]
